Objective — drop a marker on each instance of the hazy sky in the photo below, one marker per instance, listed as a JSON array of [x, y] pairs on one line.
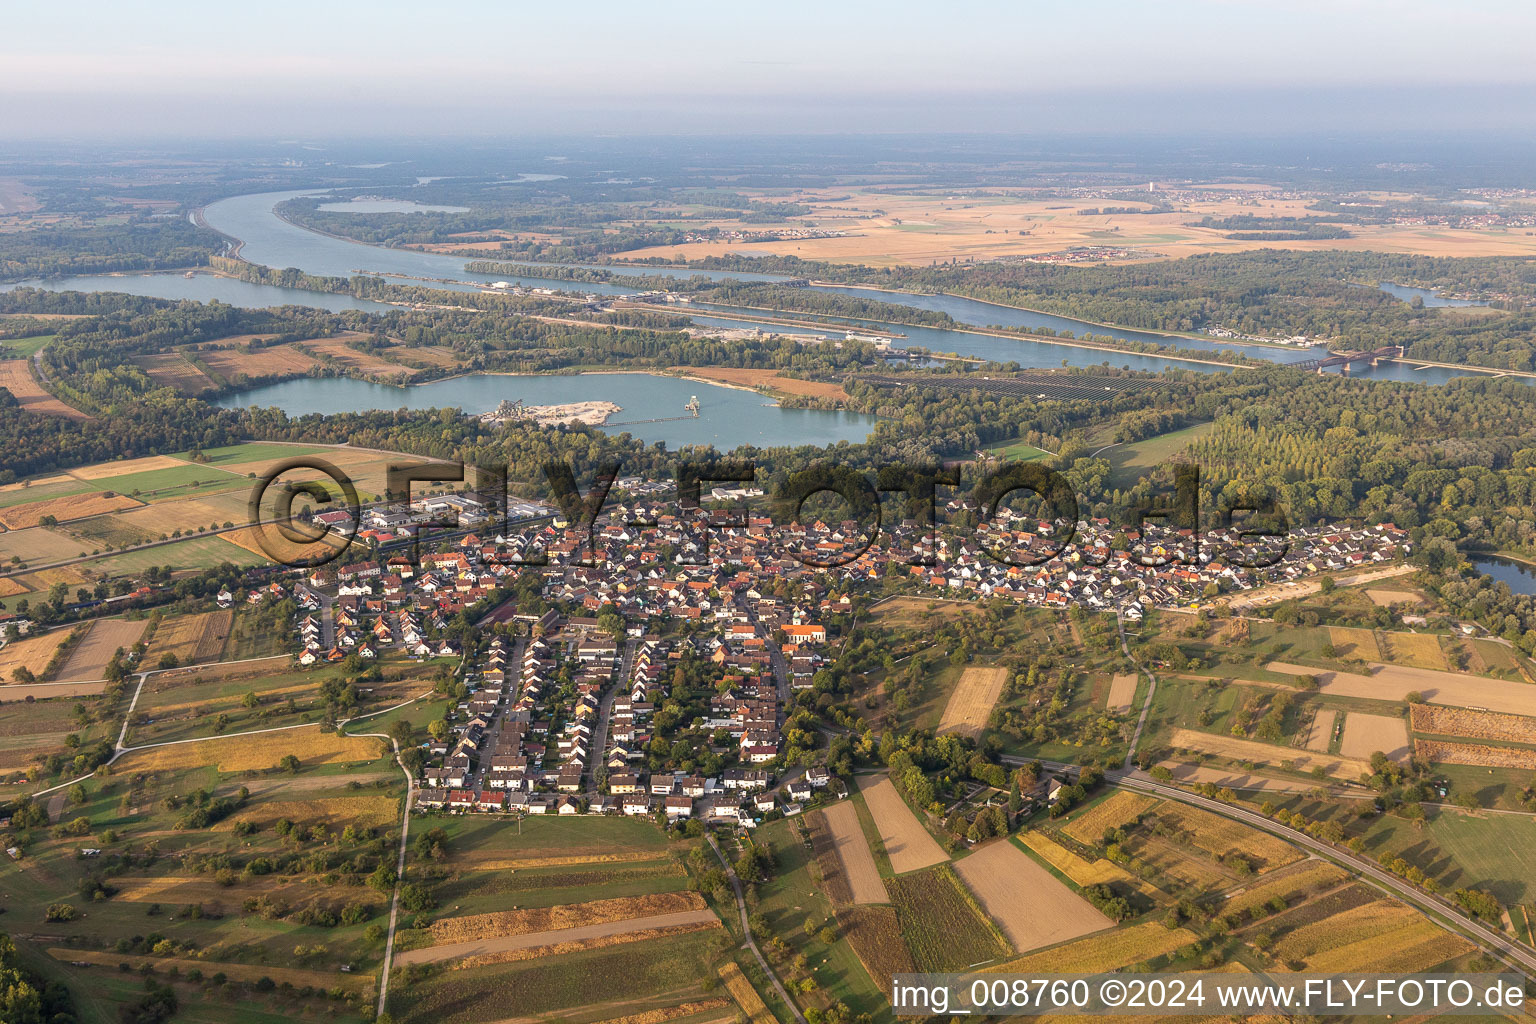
[[342, 67]]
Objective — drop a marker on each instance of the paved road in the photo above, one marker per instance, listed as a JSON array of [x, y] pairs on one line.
[[599, 750], [741, 907]]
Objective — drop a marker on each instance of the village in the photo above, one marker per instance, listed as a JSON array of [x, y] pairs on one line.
[[562, 685]]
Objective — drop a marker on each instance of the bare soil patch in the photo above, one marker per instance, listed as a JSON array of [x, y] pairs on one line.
[[1031, 907], [907, 843], [1122, 692], [89, 658], [16, 377], [1321, 732], [1366, 734], [853, 851]]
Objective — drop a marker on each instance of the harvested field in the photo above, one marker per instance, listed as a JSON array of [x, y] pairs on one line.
[[769, 380], [746, 996], [1419, 650], [366, 811], [1477, 725], [1355, 643], [858, 864], [1442, 752], [1341, 929], [1366, 734], [16, 377], [1267, 753], [1395, 682], [970, 705], [77, 506], [1320, 734], [1104, 952], [1119, 807], [482, 860], [172, 370], [1082, 872], [1416, 947], [1122, 692], [191, 638], [10, 588], [32, 653], [1031, 907], [232, 363], [593, 935], [40, 544], [1220, 836], [122, 467], [254, 751], [502, 923], [907, 843], [89, 658], [250, 973]]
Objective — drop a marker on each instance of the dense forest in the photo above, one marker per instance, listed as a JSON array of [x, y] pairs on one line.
[[138, 242]]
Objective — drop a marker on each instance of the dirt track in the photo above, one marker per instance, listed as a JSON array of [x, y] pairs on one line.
[[483, 947]]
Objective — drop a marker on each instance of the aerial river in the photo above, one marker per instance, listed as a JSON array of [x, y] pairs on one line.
[[270, 240]]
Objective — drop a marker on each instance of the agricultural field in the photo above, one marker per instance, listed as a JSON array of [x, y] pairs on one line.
[[1416, 650], [172, 370], [1220, 837], [1120, 807], [1026, 901], [1341, 768], [1481, 754], [763, 380], [103, 638], [77, 506], [214, 934], [1106, 951], [30, 653], [40, 545], [672, 970], [858, 864], [942, 922], [1122, 692], [971, 703], [1364, 735], [907, 843], [262, 752], [1320, 733], [16, 377], [189, 639], [1080, 871], [1476, 725], [1396, 682]]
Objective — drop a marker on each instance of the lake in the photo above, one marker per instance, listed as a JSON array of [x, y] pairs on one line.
[[1520, 577], [1408, 294], [728, 417]]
